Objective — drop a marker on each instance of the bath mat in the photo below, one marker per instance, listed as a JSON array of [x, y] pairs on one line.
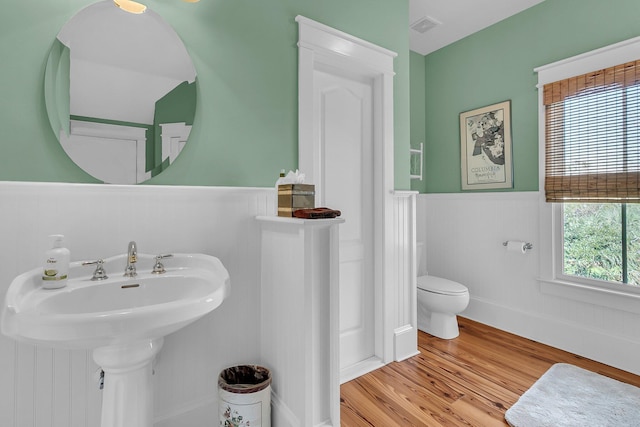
[[568, 396]]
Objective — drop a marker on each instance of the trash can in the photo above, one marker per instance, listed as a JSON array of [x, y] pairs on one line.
[[244, 396]]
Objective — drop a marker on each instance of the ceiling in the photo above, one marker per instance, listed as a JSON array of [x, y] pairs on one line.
[[453, 20]]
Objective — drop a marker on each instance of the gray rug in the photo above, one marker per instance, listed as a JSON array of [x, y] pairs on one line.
[[568, 396]]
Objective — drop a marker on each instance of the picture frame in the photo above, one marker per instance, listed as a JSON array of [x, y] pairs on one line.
[[485, 147]]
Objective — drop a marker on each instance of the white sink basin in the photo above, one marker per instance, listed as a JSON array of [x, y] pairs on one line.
[[118, 310], [122, 319]]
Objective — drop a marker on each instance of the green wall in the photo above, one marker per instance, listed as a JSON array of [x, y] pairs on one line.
[[497, 64], [418, 104], [177, 106], [245, 54]]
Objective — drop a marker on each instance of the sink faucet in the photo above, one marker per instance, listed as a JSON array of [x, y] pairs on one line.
[[132, 257]]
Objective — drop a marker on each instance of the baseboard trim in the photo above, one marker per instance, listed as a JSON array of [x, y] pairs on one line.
[[207, 404], [619, 352], [281, 415], [359, 369], [405, 342]]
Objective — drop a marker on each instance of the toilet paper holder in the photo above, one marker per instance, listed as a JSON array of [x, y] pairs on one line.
[[527, 246]]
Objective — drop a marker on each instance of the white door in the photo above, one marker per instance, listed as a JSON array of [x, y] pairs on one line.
[[344, 114]]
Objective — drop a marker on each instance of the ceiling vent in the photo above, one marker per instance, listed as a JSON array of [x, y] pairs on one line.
[[423, 25]]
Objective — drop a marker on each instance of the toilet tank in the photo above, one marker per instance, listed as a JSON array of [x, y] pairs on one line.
[[421, 259]]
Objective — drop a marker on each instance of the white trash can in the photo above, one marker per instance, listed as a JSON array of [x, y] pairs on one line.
[[244, 396]]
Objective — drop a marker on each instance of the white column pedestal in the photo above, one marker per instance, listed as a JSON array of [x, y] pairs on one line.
[[127, 399], [300, 318]]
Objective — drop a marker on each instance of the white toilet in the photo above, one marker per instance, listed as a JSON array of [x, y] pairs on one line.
[[439, 301]]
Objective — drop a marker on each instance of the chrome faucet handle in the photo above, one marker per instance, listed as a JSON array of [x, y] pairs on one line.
[[158, 268], [99, 273]]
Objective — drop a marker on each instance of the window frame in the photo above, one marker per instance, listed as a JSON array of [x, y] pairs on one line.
[[552, 280]]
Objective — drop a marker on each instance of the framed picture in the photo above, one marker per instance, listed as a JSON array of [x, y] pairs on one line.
[[485, 147]]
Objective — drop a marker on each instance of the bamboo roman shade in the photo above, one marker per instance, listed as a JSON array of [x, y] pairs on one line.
[[592, 136]]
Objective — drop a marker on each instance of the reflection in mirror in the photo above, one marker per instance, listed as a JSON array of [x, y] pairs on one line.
[[120, 92]]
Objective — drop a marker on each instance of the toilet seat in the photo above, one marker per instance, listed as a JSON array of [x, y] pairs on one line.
[[438, 285]]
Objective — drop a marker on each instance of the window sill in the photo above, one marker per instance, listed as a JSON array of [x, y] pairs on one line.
[[626, 301]]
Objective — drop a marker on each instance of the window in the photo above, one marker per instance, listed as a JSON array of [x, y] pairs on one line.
[[590, 171], [602, 241], [599, 133]]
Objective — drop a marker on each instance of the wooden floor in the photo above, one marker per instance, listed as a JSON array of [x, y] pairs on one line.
[[469, 381]]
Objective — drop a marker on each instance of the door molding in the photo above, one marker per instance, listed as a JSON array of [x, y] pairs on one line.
[[321, 47]]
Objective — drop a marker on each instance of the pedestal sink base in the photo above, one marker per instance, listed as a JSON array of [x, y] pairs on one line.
[[127, 399]]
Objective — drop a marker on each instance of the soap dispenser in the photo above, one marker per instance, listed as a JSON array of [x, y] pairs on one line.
[[56, 264]]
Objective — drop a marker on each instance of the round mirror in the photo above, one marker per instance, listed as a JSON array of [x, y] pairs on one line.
[[120, 92]]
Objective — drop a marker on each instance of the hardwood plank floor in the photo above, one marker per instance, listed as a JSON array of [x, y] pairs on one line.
[[469, 381]]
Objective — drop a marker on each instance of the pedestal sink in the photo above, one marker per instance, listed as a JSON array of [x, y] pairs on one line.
[[122, 319]]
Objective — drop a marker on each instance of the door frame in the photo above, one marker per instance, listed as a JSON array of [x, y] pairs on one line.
[[319, 47]]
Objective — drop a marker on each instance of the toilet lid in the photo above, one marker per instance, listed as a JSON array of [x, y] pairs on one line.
[[439, 285]]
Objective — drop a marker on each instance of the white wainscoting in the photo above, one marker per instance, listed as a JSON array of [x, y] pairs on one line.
[[41, 387], [464, 235], [56, 388], [406, 329]]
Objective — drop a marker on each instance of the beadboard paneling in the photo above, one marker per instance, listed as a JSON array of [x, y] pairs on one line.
[[57, 388], [405, 328]]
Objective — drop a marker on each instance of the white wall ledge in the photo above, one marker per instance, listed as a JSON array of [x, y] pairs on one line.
[[300, 221]]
